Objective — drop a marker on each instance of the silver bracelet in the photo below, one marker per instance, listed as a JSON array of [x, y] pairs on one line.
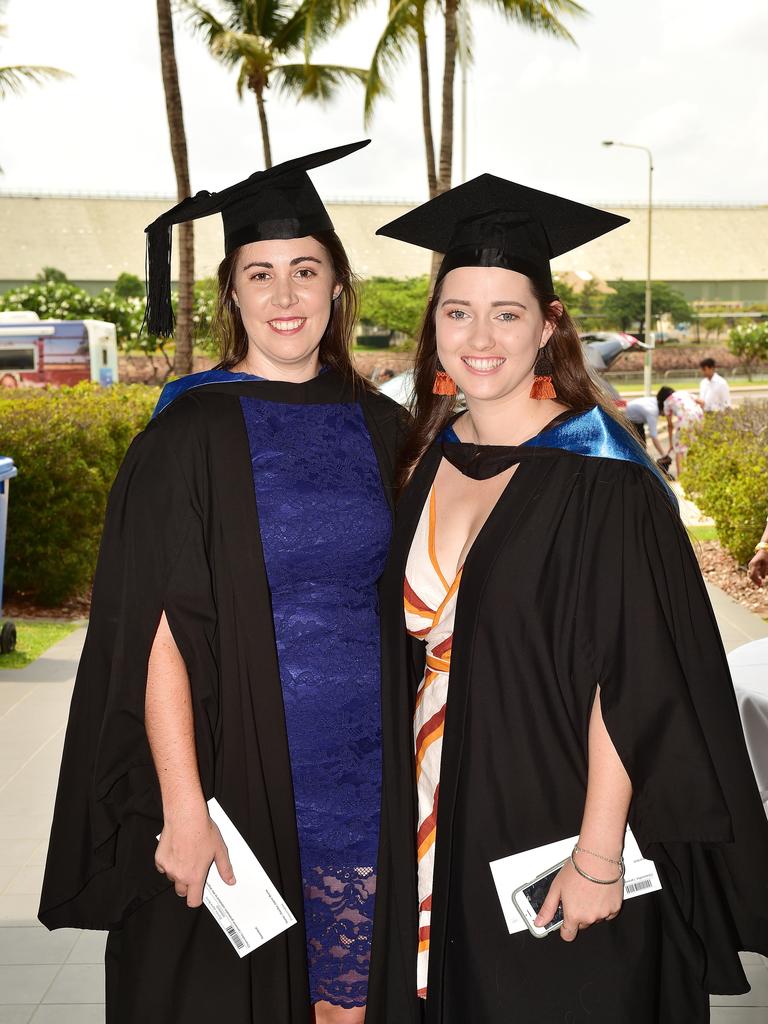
[[600, 856], [597, 881]]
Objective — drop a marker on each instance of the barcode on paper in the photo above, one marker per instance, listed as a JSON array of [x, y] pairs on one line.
[[643, 883], [235, 937]]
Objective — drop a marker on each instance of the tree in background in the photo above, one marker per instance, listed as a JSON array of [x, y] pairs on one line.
[[394, 304], [129, 286], [626, 305], [406, 25], [257, 36], [51, 274], [750, 343], [183, 359], [14, 78]]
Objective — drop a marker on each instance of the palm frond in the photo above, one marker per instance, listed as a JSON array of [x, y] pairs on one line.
[[321, 19], [391, 50], [317, 82], [228, 46], [257, 17], [541, 15], [466, 45], [242, 80], [14, 79]]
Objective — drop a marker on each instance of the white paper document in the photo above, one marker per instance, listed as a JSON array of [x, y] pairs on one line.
[[509, 873], [252, 911]]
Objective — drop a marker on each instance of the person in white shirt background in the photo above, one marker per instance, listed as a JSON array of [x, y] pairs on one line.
[[644, 412], [714, 393]]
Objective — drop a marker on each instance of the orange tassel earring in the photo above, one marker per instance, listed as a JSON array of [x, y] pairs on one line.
[[443, 385], [542, 386]]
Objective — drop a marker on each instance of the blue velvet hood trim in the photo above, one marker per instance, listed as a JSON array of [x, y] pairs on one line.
[[176, 388]]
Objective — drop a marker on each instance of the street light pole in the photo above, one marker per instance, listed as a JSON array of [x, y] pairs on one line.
[[649, 334]]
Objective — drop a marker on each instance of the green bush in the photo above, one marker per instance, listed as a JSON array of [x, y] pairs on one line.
[[726, 474], [749, 341], [394, 304], [67, 445]]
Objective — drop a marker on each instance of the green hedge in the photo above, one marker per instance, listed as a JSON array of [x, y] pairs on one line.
[[726, 474], [67, 444]]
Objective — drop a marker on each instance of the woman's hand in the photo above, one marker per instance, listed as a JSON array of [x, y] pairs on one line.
[[584, 902], [189, 843], [757, 569]]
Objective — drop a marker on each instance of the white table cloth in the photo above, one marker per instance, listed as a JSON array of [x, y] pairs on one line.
[[749, 668]]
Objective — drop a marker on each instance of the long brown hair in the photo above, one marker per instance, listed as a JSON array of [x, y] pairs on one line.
[[573, 381], [336, 343]]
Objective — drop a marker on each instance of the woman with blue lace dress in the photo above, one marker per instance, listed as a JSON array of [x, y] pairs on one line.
[[233, 650]]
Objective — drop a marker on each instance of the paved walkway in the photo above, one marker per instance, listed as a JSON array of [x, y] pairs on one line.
[[58, 978]]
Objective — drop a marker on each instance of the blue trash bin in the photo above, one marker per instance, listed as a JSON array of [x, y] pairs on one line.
[[7, 473]]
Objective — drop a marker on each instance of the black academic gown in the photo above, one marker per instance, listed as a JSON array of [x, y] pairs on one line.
[[582, 576], [181, 535]]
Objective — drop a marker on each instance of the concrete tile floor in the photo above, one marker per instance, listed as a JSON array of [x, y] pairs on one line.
[[57, 978]]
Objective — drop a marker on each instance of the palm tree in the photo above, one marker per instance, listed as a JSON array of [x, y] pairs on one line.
[[183, 359], [257, 36], [14, 78], [406, 24]]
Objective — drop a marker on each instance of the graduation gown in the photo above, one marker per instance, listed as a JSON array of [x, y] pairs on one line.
[[583, 575], [181, 535]]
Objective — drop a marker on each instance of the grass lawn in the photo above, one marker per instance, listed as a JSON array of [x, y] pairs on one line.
[[703, 532], [34, 637]]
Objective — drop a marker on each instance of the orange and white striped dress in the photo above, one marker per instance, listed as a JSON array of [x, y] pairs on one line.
[[430, 606]]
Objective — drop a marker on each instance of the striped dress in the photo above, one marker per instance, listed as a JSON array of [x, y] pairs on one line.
[[430, 606]]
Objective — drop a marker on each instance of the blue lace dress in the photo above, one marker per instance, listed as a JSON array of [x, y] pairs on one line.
[[325, 527]]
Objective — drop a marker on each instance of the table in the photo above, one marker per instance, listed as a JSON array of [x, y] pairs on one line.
[[749, 668]]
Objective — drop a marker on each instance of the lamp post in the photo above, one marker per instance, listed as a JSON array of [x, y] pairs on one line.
[[649, 335]]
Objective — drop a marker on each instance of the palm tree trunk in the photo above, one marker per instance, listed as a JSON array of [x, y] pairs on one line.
[[426, 110], [264, 126], [446, 131], [446, 135], [183, 359]]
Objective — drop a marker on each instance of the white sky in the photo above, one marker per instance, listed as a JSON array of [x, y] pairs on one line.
[[684, 77]]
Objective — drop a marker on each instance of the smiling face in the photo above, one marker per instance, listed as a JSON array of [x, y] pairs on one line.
[[284, 289], [489, 328]]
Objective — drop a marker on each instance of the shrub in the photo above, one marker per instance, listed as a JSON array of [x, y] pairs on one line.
[[67, 445], [394, 304], [750, 343], [726, 474]]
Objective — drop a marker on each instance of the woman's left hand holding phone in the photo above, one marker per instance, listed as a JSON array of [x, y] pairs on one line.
[[584, 902], [601, 840]]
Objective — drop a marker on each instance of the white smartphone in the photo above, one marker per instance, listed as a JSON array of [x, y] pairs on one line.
[[529, 899]]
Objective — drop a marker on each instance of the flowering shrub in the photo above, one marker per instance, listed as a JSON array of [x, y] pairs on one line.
[[726, 474], [62, 300], [67, 444], [749, 341]]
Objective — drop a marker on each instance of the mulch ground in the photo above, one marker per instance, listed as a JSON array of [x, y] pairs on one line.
[[722, 570], [17, 606]]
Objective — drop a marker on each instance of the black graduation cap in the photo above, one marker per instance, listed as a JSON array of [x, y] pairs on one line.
[[492, 222], [280, 202]]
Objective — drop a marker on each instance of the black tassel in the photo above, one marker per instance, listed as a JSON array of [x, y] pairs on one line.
[[158, 318]]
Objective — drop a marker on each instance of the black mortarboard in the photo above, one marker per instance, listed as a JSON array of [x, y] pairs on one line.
[[492, 222], [280, 202]]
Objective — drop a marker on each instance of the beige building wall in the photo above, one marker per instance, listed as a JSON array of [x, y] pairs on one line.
[[94, 239]]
